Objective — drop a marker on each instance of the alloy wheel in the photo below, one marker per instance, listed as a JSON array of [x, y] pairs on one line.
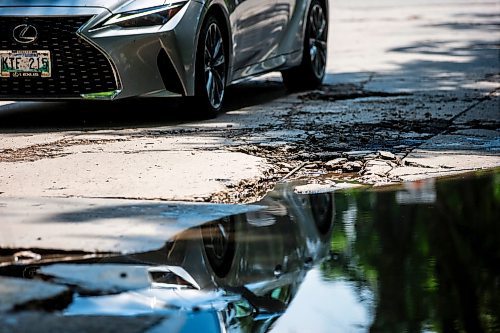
[[218, 240], [317, 39], [214, 66]]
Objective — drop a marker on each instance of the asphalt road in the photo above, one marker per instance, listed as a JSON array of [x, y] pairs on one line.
[[412, 91]]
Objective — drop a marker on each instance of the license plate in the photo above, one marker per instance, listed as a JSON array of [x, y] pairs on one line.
[[24, 63]]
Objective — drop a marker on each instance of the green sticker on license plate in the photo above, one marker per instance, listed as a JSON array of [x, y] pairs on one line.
[[24, 63]]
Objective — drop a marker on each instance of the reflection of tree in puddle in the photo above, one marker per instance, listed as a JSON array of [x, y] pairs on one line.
[[433, 265]]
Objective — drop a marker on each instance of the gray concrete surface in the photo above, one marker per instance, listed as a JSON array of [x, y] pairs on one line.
[[101, 225], [36, 322], [98, 279], [419, 80], [19, 294]]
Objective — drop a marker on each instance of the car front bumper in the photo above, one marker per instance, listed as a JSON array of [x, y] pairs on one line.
[[136, 57]]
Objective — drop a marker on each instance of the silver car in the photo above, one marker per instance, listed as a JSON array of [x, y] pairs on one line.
[[113, 49]]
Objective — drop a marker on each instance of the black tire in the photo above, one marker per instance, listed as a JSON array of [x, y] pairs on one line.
[[310, 73], [218, 241], [210, 66]]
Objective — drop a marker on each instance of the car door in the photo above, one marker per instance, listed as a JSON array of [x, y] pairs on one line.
[[256, 26]]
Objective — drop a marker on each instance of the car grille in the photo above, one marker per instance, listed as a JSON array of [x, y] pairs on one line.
[[77, 66]]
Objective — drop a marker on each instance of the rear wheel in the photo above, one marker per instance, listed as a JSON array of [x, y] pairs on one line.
[[210, 70], [322, 211], [310, 73]]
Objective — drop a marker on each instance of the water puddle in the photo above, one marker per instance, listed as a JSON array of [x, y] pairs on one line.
[[420, 257]]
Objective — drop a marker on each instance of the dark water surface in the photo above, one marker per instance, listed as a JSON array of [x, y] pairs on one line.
[[420, 257]]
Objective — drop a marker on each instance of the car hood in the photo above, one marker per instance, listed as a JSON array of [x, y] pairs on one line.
[[115, 6]]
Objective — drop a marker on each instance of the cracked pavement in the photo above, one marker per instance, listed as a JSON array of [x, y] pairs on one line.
[[412, 91]]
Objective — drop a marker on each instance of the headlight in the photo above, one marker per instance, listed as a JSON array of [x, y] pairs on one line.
[[145, 17]]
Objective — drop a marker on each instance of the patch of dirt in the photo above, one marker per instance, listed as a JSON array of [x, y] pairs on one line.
[[326, 141], [486, 125], [362, 147], [340, 92], [247, 191], [48, 150]]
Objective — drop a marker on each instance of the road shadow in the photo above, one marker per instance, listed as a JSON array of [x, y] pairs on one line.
[[47, 117]]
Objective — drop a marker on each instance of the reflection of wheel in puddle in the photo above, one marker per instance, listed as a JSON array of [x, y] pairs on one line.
[[218, 241], [322, 211]]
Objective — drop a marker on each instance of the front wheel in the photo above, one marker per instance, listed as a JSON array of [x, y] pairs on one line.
[[219, 244], [310, 73], [210, 70]]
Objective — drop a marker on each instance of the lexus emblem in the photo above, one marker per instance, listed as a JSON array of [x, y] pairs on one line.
[[25, 34]]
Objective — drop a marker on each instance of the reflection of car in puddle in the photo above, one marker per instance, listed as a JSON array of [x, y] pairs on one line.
[[243, 270]]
